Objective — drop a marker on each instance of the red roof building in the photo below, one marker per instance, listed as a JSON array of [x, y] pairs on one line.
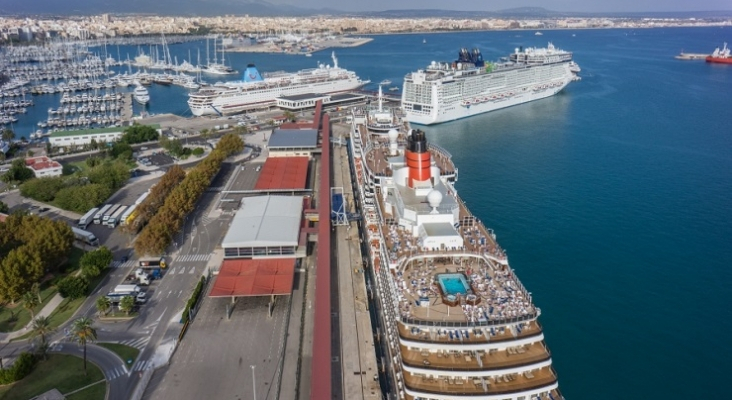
[[43, 166]]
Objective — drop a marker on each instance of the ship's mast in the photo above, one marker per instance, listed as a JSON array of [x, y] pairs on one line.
[[335, 60]]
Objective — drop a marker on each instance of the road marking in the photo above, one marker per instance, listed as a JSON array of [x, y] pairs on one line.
[[182, 270], [193, 269], [179, 293], [169, 293]]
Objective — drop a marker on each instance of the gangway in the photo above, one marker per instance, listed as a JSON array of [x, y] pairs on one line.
[[338, 213]]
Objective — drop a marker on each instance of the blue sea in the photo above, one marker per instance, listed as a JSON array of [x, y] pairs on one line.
[[613, 199]]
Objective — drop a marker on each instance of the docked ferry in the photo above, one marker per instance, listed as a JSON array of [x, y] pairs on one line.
[[455, 320], [469, 86], [259, 91]]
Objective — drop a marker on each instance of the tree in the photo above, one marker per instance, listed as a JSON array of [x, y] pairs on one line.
[[140, 133], [8, 135], [18, 172], [73, 287], [20, 268], [42, 328], [42, 189], [94, 262], [82, 332], [290, 116], [36, 290], [103, 304], [30, 301], [4, 208], [198, 151], [82, 198], [127, 304], [92, 162], [94, 145]]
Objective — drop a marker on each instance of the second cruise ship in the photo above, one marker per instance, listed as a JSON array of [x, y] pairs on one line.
[[469, 86]]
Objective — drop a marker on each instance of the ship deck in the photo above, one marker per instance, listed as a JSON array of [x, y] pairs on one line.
[[501, 384], [501, 297], [514, 356], [475, 335]]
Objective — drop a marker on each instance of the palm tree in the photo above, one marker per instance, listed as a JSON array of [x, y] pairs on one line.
[[8, 135], [42, 328], [30, 301], [83, 332], [36, 290], [127, 304], [103, 304]]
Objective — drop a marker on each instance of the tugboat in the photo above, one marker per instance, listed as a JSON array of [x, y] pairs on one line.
[[720, 56]]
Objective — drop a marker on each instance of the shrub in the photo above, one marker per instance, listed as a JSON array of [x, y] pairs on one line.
[[20, 369], [193, 300], [198, 151], [73, 287]]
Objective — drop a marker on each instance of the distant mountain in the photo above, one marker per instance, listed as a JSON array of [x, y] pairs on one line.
[[264, 8]]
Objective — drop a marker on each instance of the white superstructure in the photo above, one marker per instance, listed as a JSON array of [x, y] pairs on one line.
[[141, 95], [255, 91], [468, 86]]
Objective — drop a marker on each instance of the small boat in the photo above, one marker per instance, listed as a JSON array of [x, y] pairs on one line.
[[385, 82], [424, 41], [538, 34], [393, 89]]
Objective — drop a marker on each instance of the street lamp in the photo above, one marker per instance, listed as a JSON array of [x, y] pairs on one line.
[[254, 383]]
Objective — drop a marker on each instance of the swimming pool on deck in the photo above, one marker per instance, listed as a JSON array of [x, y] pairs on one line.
[[454, 284]]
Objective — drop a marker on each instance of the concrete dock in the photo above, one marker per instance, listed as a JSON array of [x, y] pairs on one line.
[[358, 357]]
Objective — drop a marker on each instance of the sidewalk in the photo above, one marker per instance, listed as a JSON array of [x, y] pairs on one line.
[[47, 310]]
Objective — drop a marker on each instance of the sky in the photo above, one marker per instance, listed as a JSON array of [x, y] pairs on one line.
[[492, 5]]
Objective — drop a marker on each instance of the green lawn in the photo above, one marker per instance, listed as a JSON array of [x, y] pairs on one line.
[[22, 316], [124, 352], [63, 372], [68, 307]]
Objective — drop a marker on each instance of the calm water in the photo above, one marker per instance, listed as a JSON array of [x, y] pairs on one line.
[[612, 199]]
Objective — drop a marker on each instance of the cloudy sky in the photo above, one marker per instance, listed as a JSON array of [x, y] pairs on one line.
[[493, 5]]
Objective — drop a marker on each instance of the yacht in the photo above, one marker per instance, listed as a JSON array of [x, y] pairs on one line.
[[141, 95]]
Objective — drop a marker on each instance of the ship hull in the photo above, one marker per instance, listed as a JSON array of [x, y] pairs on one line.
[[226, 105], [719, 60], [456, 112]]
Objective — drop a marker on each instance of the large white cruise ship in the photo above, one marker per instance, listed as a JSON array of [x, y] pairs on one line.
[[469, 86], [454, 321], [255, 91]]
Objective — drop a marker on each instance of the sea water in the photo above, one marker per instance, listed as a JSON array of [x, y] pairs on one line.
[[613, 199]]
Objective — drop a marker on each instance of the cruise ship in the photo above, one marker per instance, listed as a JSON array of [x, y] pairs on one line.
[[469, 86], [256, 91], [454, 320]]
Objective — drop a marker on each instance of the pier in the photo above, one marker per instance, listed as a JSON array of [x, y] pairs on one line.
[[127, 107]]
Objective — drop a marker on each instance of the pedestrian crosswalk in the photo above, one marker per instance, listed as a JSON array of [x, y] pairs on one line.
[[142, 365], [138, 343], [193, 257], [115, 373], [120, 264]]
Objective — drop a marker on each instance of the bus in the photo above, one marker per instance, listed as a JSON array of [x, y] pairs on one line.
[[128, 216], [98, 216], [116, 217], [153, 262], [109, 213]]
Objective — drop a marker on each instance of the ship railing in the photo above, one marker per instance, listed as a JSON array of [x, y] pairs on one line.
[[476, 324], [492, 391], [477, 368], [440, 150]]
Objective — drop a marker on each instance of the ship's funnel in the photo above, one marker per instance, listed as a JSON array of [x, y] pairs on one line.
[[393, 144], [251, 74], [417, 157]]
